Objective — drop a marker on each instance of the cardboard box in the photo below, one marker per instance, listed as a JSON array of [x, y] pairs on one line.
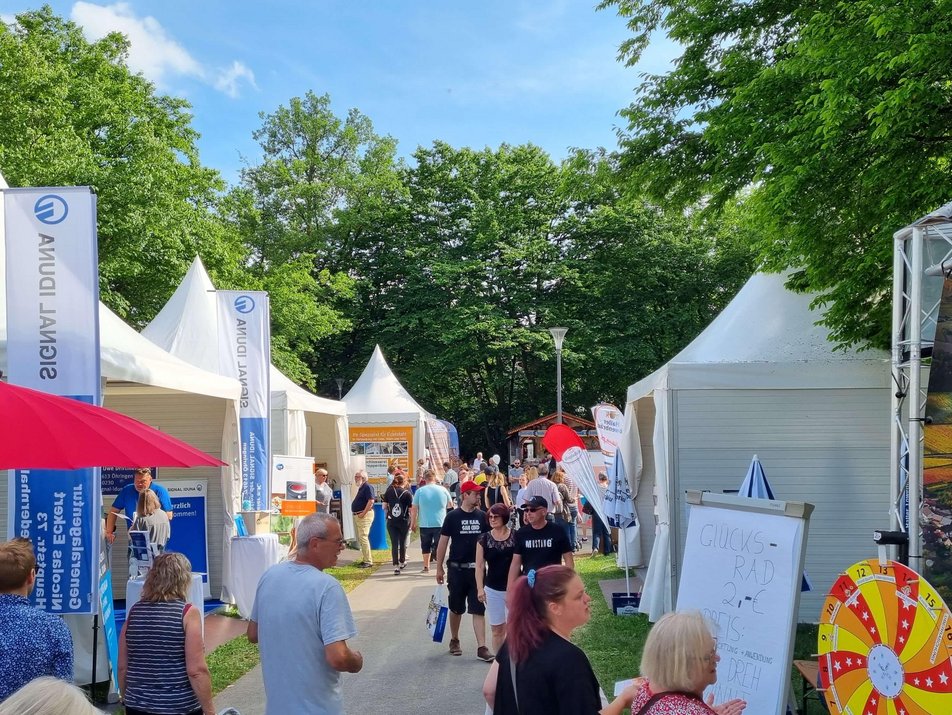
[[625, 605], [257, 522]]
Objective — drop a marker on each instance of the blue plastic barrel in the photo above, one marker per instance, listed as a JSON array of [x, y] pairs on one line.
[[378, 530]]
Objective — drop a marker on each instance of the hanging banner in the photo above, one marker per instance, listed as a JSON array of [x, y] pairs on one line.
[[937, 457], [609, 425], [190, 525], [437, 444], [52, 291], [380, 447], [244, 326]]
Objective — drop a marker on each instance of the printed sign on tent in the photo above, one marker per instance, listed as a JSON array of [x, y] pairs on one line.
[[189, 525], [609, 425], [382, 446], [52, 287], [245, 354]]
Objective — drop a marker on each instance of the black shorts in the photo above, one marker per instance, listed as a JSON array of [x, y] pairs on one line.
[[461, 584], [429, 539]]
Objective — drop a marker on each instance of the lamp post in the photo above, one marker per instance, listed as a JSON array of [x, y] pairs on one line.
[[558, 335], [340, 386]]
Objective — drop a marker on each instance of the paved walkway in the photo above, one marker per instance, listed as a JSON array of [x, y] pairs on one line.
[[404, 672]]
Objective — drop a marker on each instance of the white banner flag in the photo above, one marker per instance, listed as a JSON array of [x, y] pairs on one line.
[[245, 353], [609, 425], [52, 285]]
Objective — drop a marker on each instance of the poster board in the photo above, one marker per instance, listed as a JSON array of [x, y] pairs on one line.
[[190, 524], [382, 446], [292, 478], [742, 564]]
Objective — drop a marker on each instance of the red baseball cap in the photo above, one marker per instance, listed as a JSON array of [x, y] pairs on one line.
[[470, 487]]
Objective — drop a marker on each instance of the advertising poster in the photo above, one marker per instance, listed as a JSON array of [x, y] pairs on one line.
[[108, 616], [382, 446], [244, 326], [52, 291], [937, 457], [292, 479], [609, 425], [189, 525]]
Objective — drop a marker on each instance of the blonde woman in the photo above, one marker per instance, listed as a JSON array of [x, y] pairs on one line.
[[162, 668], [152, 518], [569, 512], [496, 491], [48, 696], [679, 661]]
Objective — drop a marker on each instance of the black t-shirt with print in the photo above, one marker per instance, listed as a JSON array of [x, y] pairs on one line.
[[541, 547], [464, 529], [556, 679]]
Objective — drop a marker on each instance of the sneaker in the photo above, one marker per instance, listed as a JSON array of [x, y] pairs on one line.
[[403, 565], [364, 565], [396, 572], [483, 654], [454, 647]]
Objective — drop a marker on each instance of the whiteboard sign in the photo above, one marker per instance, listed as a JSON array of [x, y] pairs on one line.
[[742, 564]]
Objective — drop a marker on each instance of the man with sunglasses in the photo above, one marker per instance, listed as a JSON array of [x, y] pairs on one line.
[[540, 542], [302, 621]]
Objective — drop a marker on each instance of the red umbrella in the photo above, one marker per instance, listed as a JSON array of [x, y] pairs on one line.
[[43, 431]]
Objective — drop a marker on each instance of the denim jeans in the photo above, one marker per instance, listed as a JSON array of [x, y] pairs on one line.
[[601, 537]]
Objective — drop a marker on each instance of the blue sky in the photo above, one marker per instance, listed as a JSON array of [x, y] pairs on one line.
[[469, 73]]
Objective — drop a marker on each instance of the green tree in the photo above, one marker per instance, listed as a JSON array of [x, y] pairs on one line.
[[73, 114], [837, 114], [301, 213]]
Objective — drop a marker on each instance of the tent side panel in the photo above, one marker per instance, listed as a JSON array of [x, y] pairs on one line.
[[827, 447], [199, 421], [645, 498]]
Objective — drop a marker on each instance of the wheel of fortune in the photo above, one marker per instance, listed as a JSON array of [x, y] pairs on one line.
[[885, 643]]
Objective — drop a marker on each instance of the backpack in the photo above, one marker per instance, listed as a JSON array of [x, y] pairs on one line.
[[396, 511]]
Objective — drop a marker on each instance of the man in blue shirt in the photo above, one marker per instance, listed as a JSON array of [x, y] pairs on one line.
[[32, 643], [128, 497], [430, 503]]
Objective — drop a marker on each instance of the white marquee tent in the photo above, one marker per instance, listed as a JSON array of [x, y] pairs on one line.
[[302, 424], [763, 378], [378, 399]]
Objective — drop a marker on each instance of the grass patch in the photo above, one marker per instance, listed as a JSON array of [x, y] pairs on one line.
[[614, 644], [230, 661]]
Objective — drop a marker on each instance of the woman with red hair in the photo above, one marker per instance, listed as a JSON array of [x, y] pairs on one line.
[[538, 670]]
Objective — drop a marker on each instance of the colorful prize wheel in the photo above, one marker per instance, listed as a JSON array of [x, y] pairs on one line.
[[885, 643]]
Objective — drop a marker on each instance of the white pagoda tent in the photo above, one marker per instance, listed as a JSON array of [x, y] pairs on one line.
[[302, 424], [377, 401], [764, 379]]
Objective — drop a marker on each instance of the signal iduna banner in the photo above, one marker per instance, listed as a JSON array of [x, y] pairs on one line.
[[52, 290], [244, 327]]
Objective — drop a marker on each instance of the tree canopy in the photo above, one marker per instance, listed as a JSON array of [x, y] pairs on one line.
[[836, 117]]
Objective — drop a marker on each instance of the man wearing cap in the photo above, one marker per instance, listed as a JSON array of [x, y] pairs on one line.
[[540, 542], [460, 532]]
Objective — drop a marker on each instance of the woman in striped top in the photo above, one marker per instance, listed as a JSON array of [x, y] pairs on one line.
[[162, 668]]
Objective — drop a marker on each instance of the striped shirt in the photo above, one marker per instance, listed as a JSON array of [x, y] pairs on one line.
[[156, 678]]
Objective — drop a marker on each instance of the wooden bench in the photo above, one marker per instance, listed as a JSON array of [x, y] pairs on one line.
[[810, 673]]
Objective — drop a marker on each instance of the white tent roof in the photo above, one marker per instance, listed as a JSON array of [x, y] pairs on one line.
[[767, 337], [188, 327], [378, 396], [127, 356]]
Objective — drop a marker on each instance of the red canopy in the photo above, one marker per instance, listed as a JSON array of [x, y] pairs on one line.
[[43, 431]]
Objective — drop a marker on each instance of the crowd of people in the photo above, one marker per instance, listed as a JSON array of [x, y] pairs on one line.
[[504, 545]]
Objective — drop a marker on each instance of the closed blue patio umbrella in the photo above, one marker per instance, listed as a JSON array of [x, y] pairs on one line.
[[756, 486]]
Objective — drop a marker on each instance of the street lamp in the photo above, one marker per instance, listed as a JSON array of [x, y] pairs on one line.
[[340, 386], [558, 335]]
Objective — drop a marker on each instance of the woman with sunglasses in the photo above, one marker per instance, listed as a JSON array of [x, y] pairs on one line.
[[679, 661], [538, 670], [494, 551]]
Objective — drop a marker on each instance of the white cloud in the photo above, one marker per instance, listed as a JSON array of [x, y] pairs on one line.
[[228, 79], [151, 50], [8, 20]]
